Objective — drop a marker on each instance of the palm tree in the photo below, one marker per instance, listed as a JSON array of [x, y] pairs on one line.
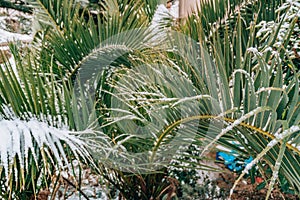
[[38, 105], [138, 100]]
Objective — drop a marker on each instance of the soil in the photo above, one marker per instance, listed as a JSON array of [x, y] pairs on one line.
[[247, 191]]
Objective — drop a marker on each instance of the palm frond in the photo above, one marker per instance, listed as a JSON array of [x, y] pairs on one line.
[[204, 108], [35, 127], [75, 42], [22, 138]]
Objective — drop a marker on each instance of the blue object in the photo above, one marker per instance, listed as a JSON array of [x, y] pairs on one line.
[[232, 162], [249, 160]]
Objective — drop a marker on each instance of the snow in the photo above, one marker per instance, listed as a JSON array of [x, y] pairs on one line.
[[10, 35], [13, 25], [159, 23], [18, 136], [174, 10], [159, 16], [6, 36]]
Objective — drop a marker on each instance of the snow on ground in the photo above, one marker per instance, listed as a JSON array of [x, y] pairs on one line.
[[14, 26], [6, 37]]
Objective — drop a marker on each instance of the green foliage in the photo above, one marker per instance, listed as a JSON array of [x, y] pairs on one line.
[[135, 99], [34, 130]]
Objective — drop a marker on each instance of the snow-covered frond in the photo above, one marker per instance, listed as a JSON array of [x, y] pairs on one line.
[[289, 12], [20, 139], [279, 137], [161, 22]]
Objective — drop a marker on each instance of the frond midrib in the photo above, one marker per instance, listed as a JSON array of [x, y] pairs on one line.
[[169, 128]]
